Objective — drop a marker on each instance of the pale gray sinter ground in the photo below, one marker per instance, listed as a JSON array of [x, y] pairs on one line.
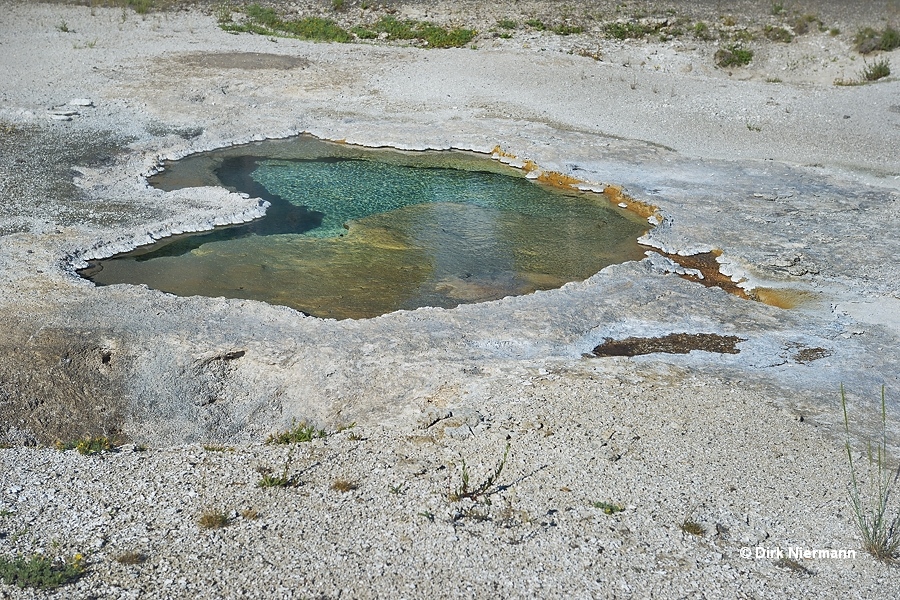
[[795, 182]]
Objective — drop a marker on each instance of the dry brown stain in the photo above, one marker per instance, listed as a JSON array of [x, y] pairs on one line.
[[782, 297], [613, 193]]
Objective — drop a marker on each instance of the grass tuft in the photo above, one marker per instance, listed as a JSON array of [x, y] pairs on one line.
[[315, 28], [40, 571], [213, 519], [778, 34], [801, 24], [733, 56], [869, 40], [877, 514], [263, 15], [702, 31], [626, 31], [465, 490], [395, 29], [217, 448], [265, 21], [87, 446], [434, 35], [344, 485], [284, 480], [268, 480], [437, 37], [363, 33], [299, 432], [609, 507], [877, 70], [563, 29], [692, 527], [872, 72], [141, 7]]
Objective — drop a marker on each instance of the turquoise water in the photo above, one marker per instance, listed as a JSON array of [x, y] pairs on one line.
[[345, 190], [356, 233]]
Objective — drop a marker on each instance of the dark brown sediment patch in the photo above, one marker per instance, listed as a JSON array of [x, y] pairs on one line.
[[707, 264], [674, 343]]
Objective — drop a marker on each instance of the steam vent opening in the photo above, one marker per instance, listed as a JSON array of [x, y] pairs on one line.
[[354, 232]]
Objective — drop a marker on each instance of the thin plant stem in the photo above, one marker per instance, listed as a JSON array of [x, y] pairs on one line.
[[879, 530]]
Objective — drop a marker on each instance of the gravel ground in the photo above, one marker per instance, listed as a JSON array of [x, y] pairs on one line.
[[793, 179], [666, 456]]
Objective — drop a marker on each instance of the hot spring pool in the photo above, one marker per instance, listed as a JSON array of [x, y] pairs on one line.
[[355, 232]]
